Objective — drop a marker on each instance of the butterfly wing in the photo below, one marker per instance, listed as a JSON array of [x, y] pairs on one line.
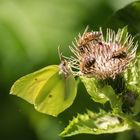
[[58, 94], [49, 91]]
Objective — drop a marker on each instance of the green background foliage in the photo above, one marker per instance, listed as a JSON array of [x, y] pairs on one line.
[[30, 32]]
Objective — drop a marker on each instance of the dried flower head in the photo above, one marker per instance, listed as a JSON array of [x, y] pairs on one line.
[[102, 57]]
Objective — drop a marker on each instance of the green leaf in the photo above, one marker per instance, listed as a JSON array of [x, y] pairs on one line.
[[101, 92], [113, 99], [131, 76], [136, 107], [135, 125], [94, 89], [127, 16], [132, 82], [49, 91], [96, 123]]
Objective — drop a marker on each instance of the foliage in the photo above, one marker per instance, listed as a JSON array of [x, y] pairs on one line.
[[96, 123]]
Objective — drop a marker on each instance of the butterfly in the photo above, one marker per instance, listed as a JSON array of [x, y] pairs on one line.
[[48, 89]]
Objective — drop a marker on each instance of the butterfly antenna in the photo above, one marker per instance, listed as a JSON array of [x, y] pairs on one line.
[[60, 54]]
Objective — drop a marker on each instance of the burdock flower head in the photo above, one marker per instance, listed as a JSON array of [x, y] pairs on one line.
[[102, 56]]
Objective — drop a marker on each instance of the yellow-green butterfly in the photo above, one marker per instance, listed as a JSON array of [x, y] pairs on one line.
[[50, 91]]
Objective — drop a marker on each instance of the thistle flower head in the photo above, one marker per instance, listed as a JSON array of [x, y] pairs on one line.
[[102, 57]]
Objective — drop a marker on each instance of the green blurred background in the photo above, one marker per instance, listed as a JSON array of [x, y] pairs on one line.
[[30, 32]]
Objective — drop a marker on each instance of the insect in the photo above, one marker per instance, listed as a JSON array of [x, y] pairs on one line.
[[86, 38], [87, 62], [50, 91], [121, 53], [63, 65]]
